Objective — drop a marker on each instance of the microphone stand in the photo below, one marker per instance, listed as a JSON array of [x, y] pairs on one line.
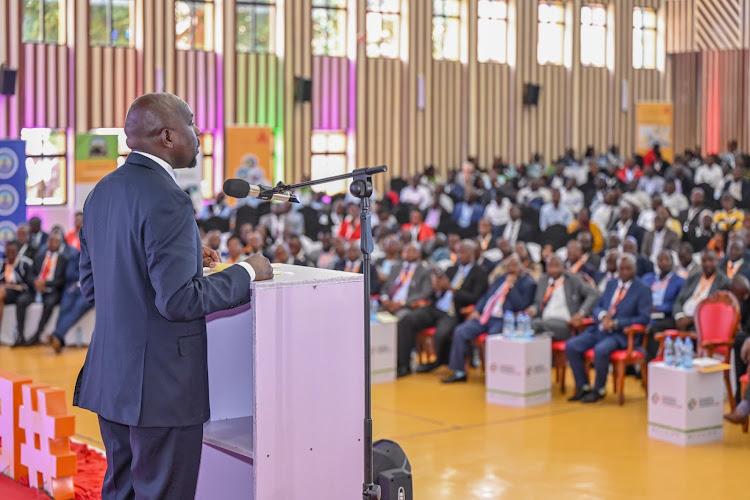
[[361, 188]]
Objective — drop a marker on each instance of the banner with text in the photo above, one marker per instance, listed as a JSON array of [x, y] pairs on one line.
[[654, 124], [12, 188]]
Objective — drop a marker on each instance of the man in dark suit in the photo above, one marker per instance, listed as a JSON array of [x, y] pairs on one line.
[[16, 279], [141, 266], [625, 302], [734, 263], [407, 285], [352, 263], [690, 218], [626, 226], [698, 286], [665, 287], [516, 230], [738, 188], [49, 281], [23, 239], [562, 299], [72, 304], [587, 246], [461, 285], [661, 238], [643, 265], [38, 238], [467, 213], [577, 262], [513, 291]]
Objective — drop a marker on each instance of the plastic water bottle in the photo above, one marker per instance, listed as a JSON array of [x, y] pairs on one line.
[[529, 332], [679, 352], [687, 358], [374, 308], [668, 352], [509, 327]]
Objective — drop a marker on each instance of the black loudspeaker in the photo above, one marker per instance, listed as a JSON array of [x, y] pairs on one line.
[[7, 81], [392, 471], [531, 94], [302, 89]]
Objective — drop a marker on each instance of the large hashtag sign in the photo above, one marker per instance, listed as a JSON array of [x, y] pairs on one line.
[[44, 417], [10, 435]]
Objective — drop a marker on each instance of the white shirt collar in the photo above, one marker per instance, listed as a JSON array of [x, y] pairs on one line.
[[166, 166], [624, 285]]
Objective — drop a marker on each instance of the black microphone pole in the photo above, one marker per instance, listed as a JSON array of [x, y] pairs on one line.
[[361, 188]]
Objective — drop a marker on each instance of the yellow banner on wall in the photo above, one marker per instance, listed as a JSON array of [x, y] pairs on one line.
[[654, 124], [249, 154]]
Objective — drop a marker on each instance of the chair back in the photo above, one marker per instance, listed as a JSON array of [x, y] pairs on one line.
[[716, 319]]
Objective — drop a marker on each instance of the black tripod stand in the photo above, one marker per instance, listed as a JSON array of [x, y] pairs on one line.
[[361, 188]]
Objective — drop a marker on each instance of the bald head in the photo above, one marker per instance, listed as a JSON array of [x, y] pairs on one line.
[[161, 124]]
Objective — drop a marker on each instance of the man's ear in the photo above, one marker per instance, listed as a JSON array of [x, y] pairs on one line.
[[166, 138]]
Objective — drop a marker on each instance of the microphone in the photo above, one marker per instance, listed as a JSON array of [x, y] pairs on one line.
[[240, 188]]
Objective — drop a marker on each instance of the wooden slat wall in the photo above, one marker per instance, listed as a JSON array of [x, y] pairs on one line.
[[686, 72]]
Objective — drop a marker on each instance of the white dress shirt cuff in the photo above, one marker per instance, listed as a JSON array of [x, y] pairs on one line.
[[601, 315], [249, 269]]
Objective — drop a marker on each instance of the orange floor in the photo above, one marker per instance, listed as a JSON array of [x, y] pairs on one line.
[[462, 448]]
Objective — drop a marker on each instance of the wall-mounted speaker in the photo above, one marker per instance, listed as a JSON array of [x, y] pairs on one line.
[[302, 89], [7, 81], [531, 94]]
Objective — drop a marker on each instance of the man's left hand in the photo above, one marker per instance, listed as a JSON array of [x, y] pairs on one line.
[[40, 285], [210, 257], [576, 320]]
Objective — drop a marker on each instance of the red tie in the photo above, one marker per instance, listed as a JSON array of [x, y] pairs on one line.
[[621, 291]]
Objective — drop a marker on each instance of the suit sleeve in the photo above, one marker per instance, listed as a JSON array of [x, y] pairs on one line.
[[683, 296], [424, 288], [471, 293], [590, 298], [602, 305], [172, 260], [538, 296], [84, 268]]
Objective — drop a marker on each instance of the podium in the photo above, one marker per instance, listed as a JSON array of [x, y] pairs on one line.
[[286, 381]]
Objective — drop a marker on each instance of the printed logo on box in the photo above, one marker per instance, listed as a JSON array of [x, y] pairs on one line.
[[381, 349], [493, 367], [509, 370], [692, 404], [707, 402], [655, 398]]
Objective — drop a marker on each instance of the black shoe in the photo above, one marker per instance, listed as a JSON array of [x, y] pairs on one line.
[[630, 370], [579, 395], [402, 372], [453, 378], [592, 397], [33, 340], [427, 368], [20, 341], [56, 344]]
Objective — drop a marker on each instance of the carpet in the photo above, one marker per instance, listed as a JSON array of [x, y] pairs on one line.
[[88, 481]]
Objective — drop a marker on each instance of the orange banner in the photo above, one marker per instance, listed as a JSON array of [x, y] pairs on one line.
[[249, 154]]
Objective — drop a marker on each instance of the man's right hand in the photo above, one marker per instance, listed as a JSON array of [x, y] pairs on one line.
[[684, 323], [261, 266]]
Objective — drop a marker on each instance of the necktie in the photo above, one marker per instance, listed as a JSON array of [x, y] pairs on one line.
[[49, 261], [401, 279], [548, 293], [498, 298], [621, 291], [459, 282], [8, 273]]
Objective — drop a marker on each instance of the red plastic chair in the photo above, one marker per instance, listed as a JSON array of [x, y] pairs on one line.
[[623, 358], [559, 360], [426, 343], [716, 321]]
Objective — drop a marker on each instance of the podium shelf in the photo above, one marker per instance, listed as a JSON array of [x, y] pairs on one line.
[[232, 434]]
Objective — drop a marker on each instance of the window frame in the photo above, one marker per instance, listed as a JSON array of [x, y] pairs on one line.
[[642, 29], [192, 5], [493, 20], [396, 35], [330, 188], [330, 8], [445, 17], [273, 12], [108, 17], [559, 4], [61, 25], [592, 5], [63, 171]]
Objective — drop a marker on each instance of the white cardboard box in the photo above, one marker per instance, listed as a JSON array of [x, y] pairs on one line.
[[684, 406], [383, 350], [518, 370]]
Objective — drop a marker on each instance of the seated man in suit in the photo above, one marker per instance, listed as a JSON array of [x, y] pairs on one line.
[[643, 265], [577, 262], [72, 305], [665, 286], [587, 247], [513, 291], [49, 269], [485, 239], [626, 226], [419, 230], [625, 302], [698, 287], [661, 238], [734, 263], [610, 270], [562, 299], [460, 286], [408, 284], [16, 279], [467, 213], [516, 230]]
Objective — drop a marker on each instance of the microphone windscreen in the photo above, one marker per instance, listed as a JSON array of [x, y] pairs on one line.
[[236, 188]]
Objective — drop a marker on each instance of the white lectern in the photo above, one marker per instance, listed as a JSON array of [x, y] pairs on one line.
[[286, 378]]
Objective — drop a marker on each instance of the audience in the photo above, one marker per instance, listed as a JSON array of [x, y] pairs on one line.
[[407, 285]]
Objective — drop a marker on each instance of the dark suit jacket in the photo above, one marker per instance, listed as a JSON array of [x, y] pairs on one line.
[[633, 309], [643, 266], [721, 282], [374, 281], [56, 282], [474, 286], [671, 242], [420, 287], [142, 267], [691, 223], [477, 211], [744, 203], [670, 295], [594, 260], [519, 298], [23, 271], [525, 232], [744, 267], [578, 294]]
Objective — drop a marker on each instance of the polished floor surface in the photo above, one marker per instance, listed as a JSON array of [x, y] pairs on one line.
[[462, 448]]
